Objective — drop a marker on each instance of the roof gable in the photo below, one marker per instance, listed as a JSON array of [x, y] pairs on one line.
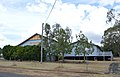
[[36, 36], [92, 44]]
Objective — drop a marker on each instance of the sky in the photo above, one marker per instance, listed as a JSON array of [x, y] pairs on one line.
[[20, 19]]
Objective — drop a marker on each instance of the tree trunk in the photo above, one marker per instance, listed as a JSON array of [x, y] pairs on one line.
[[50, 57], [119, 54], [84, 57], [79, 57], [62, 56]]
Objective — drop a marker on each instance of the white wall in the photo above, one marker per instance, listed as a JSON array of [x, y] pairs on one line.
[[95, 52]]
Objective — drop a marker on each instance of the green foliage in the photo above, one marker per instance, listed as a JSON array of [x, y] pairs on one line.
[[21, 53], [82, 46], [47, 28], [48, 42], [7, 52], [58, 40], [113, 15], [111, 39], [0, 52], [63, 38], [111, 35]]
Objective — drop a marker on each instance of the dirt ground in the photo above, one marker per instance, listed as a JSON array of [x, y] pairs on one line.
[[47, 69]]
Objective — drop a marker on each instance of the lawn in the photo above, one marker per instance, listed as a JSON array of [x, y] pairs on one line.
[[52, 69]]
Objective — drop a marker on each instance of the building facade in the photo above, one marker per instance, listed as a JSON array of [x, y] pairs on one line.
[[33, 40], [97, 54]]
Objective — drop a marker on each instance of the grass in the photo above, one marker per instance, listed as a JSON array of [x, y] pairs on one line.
[[50, 69]]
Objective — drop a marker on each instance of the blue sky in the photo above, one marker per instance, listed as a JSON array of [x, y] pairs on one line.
[[19, 19]]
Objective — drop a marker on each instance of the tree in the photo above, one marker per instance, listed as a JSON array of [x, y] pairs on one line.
[[0, 52], [7, 53], [63, 40], [113, 15], [57, 41], [48, 41], [111, 39], [82, 45]]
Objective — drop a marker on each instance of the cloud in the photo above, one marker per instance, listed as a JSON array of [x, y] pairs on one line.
[[106, 2], [117, 8], [117, 1], [16, 27], [4, 39], [7, 36], [80, 1], [26, 18], [85, 17], [41, 7], [96, 38], [95, 21], [2, 8], [48, 1]]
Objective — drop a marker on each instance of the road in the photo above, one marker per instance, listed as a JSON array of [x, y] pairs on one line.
[[6, 74]]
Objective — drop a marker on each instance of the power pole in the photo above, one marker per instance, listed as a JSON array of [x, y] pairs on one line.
[[42, 32], [42, 45]]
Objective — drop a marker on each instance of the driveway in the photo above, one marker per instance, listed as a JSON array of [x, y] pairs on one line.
[[6, 74]]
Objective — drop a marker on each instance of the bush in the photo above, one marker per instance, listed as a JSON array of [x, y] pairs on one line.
[[22, 53]]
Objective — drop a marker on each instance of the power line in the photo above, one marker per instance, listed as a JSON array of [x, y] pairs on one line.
[[42, 30], [50, 11]]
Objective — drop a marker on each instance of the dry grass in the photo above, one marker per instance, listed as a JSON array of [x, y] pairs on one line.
[[47, 69]]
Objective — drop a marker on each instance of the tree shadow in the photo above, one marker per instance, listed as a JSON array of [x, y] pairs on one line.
[[114, 68]]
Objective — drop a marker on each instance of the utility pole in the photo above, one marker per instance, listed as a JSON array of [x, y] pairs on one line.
[[42, 32], [42, 45]]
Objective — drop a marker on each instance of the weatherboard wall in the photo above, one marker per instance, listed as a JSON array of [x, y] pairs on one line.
[[95, 52], [31, 42]]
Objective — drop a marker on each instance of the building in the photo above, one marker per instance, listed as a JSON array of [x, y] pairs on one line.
[[98, 54], [33, 40]]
